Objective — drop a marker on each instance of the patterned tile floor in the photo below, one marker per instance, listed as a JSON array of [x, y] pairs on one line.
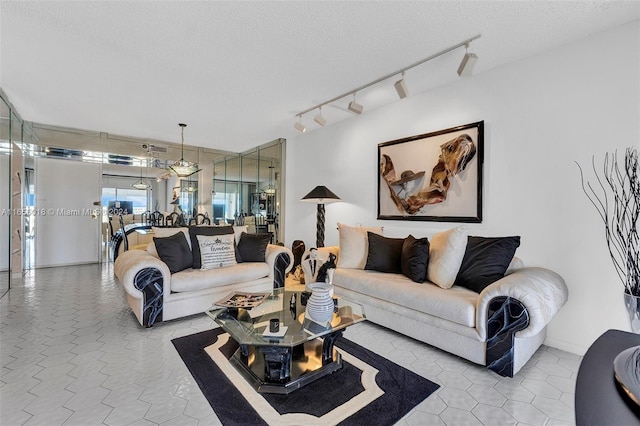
[[72, 353]]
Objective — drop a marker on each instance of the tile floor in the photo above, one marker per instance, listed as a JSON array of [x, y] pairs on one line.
[[72, 353]]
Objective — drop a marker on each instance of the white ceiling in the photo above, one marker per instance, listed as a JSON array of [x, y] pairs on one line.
[[238, 72]]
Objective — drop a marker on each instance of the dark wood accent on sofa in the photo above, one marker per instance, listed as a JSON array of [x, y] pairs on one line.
[[149, 281], [505, 317]]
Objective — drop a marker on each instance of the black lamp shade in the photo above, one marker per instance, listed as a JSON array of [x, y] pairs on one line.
[[321, 195]]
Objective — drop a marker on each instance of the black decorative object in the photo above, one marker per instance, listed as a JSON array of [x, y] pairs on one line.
[[320, 195], [298, 249], [616, 197], [329, 264]]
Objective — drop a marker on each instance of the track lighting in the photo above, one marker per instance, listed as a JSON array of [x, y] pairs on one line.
[[354, 106], [319, 118], [299, 126], [465, 69], [401, 87], [468, 62]]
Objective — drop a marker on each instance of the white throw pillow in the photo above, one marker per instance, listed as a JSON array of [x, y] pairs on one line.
[[446, 252], [166, 232], [238, 230], [217, 251], [354, 245]]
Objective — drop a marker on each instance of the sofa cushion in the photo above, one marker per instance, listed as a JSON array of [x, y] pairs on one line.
[[354, 246], [200, 279], [253, 247], [383, 253], [166, 232], [445, 256], [456, 304], [194, 231], [415, 258], [174, 251], [485, 261], [216, 251], [238, 230]]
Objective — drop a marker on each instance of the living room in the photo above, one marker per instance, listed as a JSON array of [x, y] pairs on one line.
[[542, 113]]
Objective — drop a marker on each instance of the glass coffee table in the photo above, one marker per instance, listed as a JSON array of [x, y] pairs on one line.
[[302, 352]]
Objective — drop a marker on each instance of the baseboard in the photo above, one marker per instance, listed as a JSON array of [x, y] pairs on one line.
[[565, 346]]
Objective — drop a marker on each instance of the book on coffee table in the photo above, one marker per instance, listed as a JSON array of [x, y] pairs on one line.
[[239, 299]]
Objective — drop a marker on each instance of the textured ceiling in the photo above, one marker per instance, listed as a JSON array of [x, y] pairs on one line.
[[238, 72]]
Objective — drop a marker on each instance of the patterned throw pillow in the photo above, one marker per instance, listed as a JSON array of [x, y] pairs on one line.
[[194, 231], [217, 251]]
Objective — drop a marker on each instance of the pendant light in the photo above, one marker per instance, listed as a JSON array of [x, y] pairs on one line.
[[270, 189], [184, 168], [142, 185]]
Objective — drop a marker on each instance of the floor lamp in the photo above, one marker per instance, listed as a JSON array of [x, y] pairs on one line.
[[320, 195]]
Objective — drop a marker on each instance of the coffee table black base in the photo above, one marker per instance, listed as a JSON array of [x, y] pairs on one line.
[[284, 370]]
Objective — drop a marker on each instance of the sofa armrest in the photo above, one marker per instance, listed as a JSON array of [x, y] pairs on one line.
[[130, 263], [280, 261], [541, 291], [324, 252]]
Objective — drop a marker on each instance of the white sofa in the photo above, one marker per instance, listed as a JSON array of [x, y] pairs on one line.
[[154, 294], [501, 327]]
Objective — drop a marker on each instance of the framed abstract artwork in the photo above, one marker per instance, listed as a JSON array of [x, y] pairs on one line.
[[433, 177]]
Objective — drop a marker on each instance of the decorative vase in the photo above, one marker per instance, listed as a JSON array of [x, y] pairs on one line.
[[320, 304], [633, 308]]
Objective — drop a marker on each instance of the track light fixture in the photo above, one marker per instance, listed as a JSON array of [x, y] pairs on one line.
[[299, 126], [401, 87], [354, 106], [465, 69], [468, 62], [319, 118]]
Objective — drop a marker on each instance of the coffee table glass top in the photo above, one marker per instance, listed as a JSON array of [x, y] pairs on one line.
[[248, 327]]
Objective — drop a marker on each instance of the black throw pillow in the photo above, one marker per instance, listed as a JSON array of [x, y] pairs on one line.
[[174, 251], [485, 261], [253, 247], [194, 231], [415, 258], [384, 253]]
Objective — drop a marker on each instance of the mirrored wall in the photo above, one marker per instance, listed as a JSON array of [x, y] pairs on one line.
[[13, 132], [248, 189], [5, 196]]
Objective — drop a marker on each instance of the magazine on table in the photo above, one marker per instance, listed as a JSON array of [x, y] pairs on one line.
[[239, 299]]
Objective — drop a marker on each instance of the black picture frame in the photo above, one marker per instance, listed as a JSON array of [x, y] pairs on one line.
[[433, 177]]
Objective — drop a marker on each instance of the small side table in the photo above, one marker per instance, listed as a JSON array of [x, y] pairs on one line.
[[599, 398]]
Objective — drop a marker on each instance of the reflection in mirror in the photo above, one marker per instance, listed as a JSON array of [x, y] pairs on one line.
[[5, 193], [248, 191]]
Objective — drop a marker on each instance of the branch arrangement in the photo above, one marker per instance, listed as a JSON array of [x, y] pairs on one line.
[[616, 197]]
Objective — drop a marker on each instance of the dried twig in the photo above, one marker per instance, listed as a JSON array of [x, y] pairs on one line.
[[616, 198]]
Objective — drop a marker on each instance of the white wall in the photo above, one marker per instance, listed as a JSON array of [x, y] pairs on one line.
[[66, 238], [541, 115]]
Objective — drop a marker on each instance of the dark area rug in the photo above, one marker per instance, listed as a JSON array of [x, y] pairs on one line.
[[402, 388]]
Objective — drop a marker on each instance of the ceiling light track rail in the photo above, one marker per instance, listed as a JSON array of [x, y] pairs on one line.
[[464, 43]]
